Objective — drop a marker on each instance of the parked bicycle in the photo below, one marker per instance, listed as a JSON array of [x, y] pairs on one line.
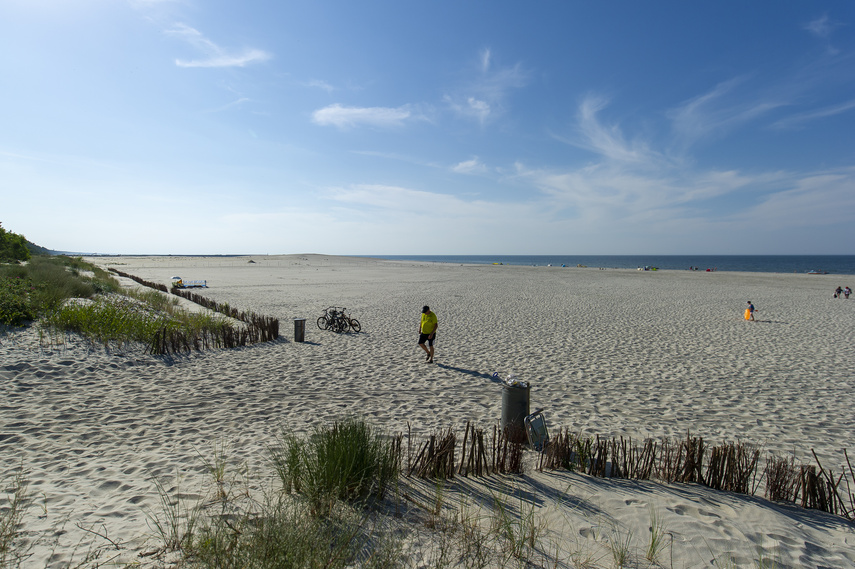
[[336, 319]]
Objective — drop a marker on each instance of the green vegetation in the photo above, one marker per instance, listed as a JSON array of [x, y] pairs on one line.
[[12, 511], [39, 287], [317, 519], [69, 295], [13, 247], [348, 461], [113, 319]]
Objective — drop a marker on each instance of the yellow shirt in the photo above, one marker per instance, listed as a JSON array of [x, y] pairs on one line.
[[429, 322]]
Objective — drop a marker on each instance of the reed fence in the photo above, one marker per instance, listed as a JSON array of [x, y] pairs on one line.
[[729, 466], [257, 328]]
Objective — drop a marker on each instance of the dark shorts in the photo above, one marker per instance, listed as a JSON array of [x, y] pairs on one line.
[[426, 338]]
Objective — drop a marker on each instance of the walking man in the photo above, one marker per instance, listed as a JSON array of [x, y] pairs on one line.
[[427, 332]]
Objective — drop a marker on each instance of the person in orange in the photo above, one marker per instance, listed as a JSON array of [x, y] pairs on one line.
[[427, 332]]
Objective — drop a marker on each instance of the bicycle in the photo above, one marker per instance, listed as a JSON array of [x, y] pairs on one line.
[[334, 318]]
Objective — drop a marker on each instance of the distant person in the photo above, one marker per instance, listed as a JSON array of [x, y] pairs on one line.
[[427, 332], [838, 292], [749, 312], [846, 292]]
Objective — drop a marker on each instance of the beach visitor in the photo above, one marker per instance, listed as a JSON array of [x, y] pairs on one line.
[[846, 292], [750, 311], [838, 292], [427, 332]]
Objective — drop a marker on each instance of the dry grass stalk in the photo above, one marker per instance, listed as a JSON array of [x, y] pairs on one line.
[[474, 463], [834, 504], [732, 467], [436, 459], [781, 479], [559, 452], [507, 451], [850, 512]]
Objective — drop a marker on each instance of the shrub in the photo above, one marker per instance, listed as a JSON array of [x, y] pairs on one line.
[[16, 301], [13, 247], [348, 461]]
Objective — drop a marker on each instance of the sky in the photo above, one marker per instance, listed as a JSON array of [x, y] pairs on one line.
[[428, 128]]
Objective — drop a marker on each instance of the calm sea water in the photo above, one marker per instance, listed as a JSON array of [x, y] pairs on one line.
[[833, 264]]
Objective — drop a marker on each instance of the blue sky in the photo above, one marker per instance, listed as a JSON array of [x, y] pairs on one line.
[[389, 127]]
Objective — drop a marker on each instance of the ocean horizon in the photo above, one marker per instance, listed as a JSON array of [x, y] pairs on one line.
[[831, 264]]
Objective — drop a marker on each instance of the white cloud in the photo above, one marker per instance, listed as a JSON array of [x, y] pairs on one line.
[[713, 113], [485, 60], [484, 96], [821, 27], [808, 200], [215, 55], [801, 118], [347, 117], [608, 141], [318, 84], [473, 166]]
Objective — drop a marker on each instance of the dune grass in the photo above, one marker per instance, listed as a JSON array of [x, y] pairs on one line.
[[109, 319], [12, 511], [320, 516], [31, 290], [44, 290], [348, 461]]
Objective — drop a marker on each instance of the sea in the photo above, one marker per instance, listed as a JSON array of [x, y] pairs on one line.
[[830, 264]]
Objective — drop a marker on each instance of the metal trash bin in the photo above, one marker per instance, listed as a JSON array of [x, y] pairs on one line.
[[299, 329], [516, 401]]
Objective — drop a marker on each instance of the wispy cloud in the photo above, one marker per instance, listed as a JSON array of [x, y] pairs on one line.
[[471, 107], [716, 113], [215, 56], [473, 166], [484, 96], [486, 55], [233, 104], [638, 190], [799, 119], [318, 84], [608, 141], [349, 117], [821, 27]]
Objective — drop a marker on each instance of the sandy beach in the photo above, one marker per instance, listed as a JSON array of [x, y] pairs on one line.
[[608, 352]]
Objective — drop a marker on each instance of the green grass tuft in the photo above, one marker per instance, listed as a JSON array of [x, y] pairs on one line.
[[348, 461]]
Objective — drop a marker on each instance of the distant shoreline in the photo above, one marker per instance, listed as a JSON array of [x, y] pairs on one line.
[[831, 265]]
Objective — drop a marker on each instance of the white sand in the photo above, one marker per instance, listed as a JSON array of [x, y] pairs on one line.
[[608, 352]]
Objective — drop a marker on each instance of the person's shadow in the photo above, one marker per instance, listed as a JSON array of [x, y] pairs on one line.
[[471, 372]]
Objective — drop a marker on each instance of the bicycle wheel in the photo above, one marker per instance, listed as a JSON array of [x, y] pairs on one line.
[[354, 325], [338, 325], [323, 323]]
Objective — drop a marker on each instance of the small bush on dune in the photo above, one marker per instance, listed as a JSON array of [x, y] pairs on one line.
[[348, 461], [16, 301]]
